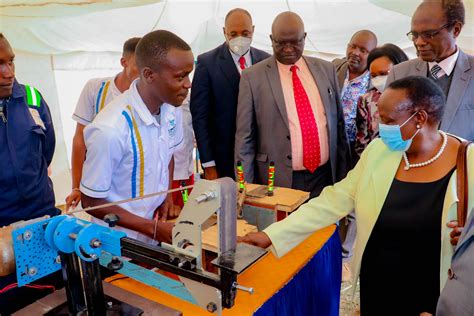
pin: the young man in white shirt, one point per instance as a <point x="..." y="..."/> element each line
<point x="95" y="95"/>
<point x="130" y="144"/>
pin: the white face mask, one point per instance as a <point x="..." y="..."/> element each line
<point x="379" y="82"/>
<point x="240" y="45"/>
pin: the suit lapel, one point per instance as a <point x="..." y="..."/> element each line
<point x="458" y="87"/>
<point x="325" y="92"/>
<point x="341" y="76"/>
<point x="421" y="68"/>
<point x="228" y="67"/>
<point x="254" y="56"/>
<point x="273" y="77"/>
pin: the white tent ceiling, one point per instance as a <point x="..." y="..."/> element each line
<point x="60" y="43"/>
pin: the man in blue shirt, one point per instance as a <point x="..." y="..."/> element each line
<point x="27" y="138"/>
<point x="26" y="150"/>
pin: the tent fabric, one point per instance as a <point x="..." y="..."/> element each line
<point x="57" y="41"/>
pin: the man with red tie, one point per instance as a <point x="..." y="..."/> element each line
<point x="289" y="112"/>
<point x="215" y="90"/>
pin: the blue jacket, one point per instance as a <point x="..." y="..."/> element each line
<point x="26" y="151"/>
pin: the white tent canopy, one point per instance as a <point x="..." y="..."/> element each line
<point x="61" y="44"/>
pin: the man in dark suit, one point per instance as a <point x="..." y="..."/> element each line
<point x="289" y="112"/>
<point x="214" y="94"/>
<point x="435" y="26"/>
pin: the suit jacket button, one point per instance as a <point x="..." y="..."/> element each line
<point x="289" y="157"/>
<point x="451" y="274"/>
<point x="288" y="137"/>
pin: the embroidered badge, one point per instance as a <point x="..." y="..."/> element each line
<point x="172" y="127"/>
<point x="37" y="118"/>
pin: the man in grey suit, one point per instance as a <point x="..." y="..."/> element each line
<point x="457" y="297"/>
<point x="289" y="112"/>
<point x="435" y="27"/>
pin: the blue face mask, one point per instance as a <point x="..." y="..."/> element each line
<point x="391" y="135"/>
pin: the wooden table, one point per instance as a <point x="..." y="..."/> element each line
<point x="263" y="211"/>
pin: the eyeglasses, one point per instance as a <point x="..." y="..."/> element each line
<point x="282" y="44"/>
<point x="426" y="35"/>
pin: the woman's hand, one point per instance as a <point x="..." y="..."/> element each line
<point x="455" y="233"/>
<point x="259" y="239"/>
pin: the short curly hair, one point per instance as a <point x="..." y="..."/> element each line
<point x="423" y="94"/>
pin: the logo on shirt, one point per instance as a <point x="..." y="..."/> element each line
<point x="172" y="127"/>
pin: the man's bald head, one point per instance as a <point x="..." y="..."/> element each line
<point x="288" y="37"/>
<point x="287" y="20"/>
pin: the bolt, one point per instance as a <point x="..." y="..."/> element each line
<point x="109" y="304"/>
<point x="73" y="236"/>
<point x="58" y="259"/>
<point x="94" y="256"/>
<point x="32" y="271"/>
<point x="208" y="195"/>
<point x="95" y="243"/>
<point x="211" y="307"/>
<point x="27" y="235"/>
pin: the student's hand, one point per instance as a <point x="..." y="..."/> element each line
<point x="455" y="233"/>
<point x="167" y="209"/>
<point x="259" y="239"/>
<point x="426" y="314"/>
<point x="163" y="232"/>
<point x="73" y="199"/>
<point x="210" y="173"/>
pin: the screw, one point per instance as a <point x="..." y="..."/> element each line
<point x="73" y="236"/>
<point x="27" y="235"/>
<point x="93" y="256"/>
<point x="110" y="304"/>
<point x="211" y="307"/>
<point x="32" y="271"/>
<point x="95" y="243"/>
<point x="58" y="259"/>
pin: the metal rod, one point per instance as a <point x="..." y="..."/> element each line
<point x="128" y="200"/>
<point x="72" y="282"/>
<point x="163" y="259"/>
<point x="93" y="289"/>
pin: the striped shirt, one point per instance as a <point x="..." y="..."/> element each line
<point x="128" y="153"/>
<point x="95" y="95"/>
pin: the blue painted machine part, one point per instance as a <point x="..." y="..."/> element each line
<point x="50" y="228"/>
<point x="34" y="257"/>
<point x="106" y="239"/>
<point x="66" y="232"/>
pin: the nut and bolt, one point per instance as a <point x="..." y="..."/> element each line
<point x="27" y="235"/>
<point x="32" y="271"/>
<point x="96" y="243"/>
<point x="211" y="307"/>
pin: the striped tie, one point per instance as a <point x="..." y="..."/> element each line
<point x="434" y="71"/>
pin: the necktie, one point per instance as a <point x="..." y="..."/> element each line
<point x="435" y="70"/>
<point x="309" y="128"/>
<point x="242" y="62"/>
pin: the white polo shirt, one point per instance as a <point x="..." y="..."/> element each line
<point x="183" y="158"/>
<point x="95" y="95"/>
<point x="128" y="153"/>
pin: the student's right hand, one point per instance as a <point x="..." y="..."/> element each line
<point x="259" y="239"/>
<point x="210" y="173"/>
<point x="73" y="199"/>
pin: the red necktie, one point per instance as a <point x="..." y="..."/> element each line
<point x="309" y="128"/>
<point x="242" y="62"/>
